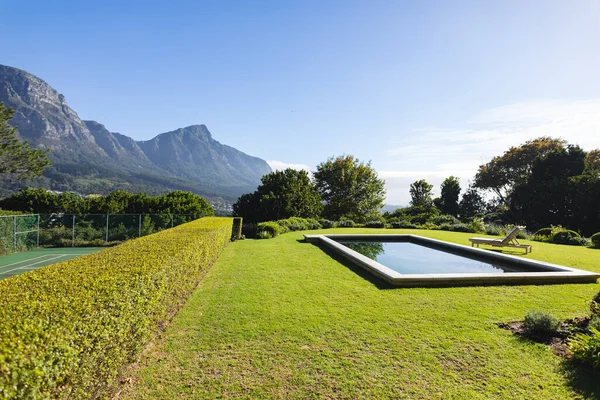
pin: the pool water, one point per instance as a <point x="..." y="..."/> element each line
<point x="410" y="258"/>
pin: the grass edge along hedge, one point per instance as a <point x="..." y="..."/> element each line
<point x="67" y="329"/>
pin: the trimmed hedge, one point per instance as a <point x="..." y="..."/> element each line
<point x="67" y="329"/>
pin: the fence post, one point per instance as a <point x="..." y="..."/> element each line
<point x="107" y="228"/>
<point x="73" y="239"/>
<point x="140" y="225"/>
<point x="15" y="233"/>
<point x="38" y="231"/>
<point x="172" y="220"/>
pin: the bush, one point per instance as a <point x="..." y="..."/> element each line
<point x="403" y="225"/>
<point x="460" y="227"/>
<point x="272" y="227"/>
<point x="586" y="348"/>
<point x="596" y="240"/>
<point x="327" y="224"/>
<point x="544" y="232"/>
<point x="67" y="329"/>
<point x="477" y="225"/>
<point x="375" y="224"/>
<point x="594" y="322"/>
<point x="444" y="219"/>
<point x="567" y="237"/>
<point x="539" y="323"/>
<point x="496" y="230"/>
<point x="346" y="224"/>
<point x="595" y="304"/>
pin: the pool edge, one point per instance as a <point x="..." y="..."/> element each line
<point x="562" y="274"/>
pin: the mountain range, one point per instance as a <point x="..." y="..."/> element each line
<point x="88" y="158"/>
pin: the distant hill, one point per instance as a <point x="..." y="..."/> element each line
<point x="87" y="158"/>
<point x="390" y="208"/>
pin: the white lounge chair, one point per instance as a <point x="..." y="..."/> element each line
<point x="509" y="241"/>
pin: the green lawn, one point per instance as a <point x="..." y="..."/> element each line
<point x="282" y="319"/>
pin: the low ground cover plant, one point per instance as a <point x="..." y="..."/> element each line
<point x="67" y="329"/>
<point x="539" y="323"/>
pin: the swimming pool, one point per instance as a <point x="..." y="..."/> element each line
<point x="411" y="260"/>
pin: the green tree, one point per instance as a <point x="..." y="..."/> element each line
<point x="472" y="204"/>
<point x="449" y="198"/>
<point x="558" y="192"/>
<point x="282" y="194"/>
<point x="17" y="159"/>
<point x="503" y="173"/>
<point x="421" y="195"/>
<point x="349" y="189"/>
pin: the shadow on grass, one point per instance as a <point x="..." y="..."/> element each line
<point x="582" y="378"/>
<point x="378" y="282"/>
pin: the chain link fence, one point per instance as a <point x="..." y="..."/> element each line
<point x="22" y="232"/>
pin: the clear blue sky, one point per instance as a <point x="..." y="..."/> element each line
<point x="424" y="89"/>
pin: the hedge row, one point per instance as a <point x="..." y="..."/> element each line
<point x="67" y="329"/>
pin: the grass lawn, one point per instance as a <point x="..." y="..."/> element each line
<point x="282" y="319"/>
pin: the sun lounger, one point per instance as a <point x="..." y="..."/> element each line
<point x="509" y="241"/>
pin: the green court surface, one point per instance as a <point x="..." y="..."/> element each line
<point x="17" y="263"/>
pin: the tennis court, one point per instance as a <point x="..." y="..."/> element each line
<point x="18" y="263"/>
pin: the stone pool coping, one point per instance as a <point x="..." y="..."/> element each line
<point x="549" y="273"/>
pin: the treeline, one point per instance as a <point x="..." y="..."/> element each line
<point x="544" y="182"/>
<point x="42" y="201"/>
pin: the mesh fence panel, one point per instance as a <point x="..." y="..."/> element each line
<point x="18" y="232"/>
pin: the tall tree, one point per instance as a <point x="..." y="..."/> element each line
<point x="504" y="172"/>
<point x="556" y="192"/>
<point x="350" y="189"/>
<point x="17" y="159"/>
<point x="449" y="198"/>
<point x="472" y="204"/>
<point x="282" y="194"/>
<point x="421" y="195"/>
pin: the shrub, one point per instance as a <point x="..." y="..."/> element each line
<point x="477" y="225"/>
<point x="595" y="304"/>
<point x="460" y="227"/>
<point x="544" y="232"/>
<point x="495" y="230"/>
<point x="430" y="226"/>
<point x="539" y="323"/>
<point x="596" y="240"/>
<point x="444" y="219"/>
<point x="313" y="224"/>
<point x="566" y="237"/>
<point x="67" y="329"/>
<point x="594" y="322"/>
<point x="421" y="219"/>
<point x="272" y="227"/>
<point x="375" y="224"/>
<point x="586" y="348"/>
<point x="403" y="224"/>
<point x="327" y="224"/>
<point x="348" y="223"/>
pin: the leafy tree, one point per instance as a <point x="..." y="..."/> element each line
<point x="421" y="195"/>
<point x="592" y="160"/>
<point x="472" y="204"/>
<point x="349" y="189"/>
<point x="31" y="200"/>
<point x="180" y="202"/>
<point x="556" y="193"/>
<point x="17" y="159"/>
<point x="504" y="172"/>
<point x="449" y="198"/>
<point x="282" y="194"/>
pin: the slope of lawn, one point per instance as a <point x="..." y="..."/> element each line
<point x="283" y="319"/>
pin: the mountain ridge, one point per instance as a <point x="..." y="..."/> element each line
<point x="87" y="157"/>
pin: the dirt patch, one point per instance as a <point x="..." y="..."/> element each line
<point x="557" y="341"/>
